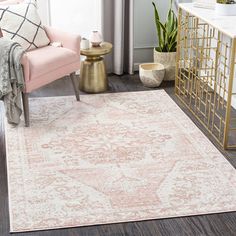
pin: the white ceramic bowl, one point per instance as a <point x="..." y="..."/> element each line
<point x="225" y="9"/>
<point x="151" y="74"/>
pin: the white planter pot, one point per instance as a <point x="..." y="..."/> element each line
<point x="151" y="74"/>
<point x="225" y="9"/>
<point x="168" y="59"/>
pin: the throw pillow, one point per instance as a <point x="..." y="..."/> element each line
<point x="22" y="24"/>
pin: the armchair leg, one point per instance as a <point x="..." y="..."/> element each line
<point x="25" y="99"/>
<point x="75" y="85"/>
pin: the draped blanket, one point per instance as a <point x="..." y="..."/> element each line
<point x="11" y="78"/>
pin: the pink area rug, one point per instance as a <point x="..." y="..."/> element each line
<point x="112" y="158"/>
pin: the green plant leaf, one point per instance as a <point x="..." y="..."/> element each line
<point x="157" y="20"/>
<point x="170" y="19"/>
<point x="173" y="47"/>
<point x="158" y="49"/>
<point x="173" y="35"/>
<point x="167" y="31"/>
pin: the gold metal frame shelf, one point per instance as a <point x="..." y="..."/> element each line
<point x="205" y="75"/>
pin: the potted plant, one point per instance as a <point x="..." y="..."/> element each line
<point x="226" y="7"/>
<point x="165" y="52"/>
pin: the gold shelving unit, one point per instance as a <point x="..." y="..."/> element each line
<point x="205" y="76"/>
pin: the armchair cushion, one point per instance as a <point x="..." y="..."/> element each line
<point x="21" y="23"/>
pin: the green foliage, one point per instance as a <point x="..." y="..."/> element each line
<point x="226" y="1"/>
<point x="166" y="32"/>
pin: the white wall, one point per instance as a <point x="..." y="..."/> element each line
<point x="145" y="37"/>
<point x="83" y="16"/>
<point x="43" y="10"/>
<point x="76" y="16"/>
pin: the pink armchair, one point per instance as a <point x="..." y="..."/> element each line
<point x="44" y="65"/>
<point x="47" y="64"/>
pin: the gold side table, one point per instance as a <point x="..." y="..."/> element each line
<point x="93" y="76"/>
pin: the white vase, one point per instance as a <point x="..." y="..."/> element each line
<point x="225" y="9"/>
<point x="96" y="39"/>
<point x="151" y="74"/>
<point x="168" y="59"/>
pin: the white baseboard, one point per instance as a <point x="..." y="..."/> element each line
<point x="136" y="66"/>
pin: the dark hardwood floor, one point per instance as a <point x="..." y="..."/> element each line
<point x="215" y="225"/>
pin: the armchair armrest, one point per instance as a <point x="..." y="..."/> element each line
<point x="25" y="64"/>
<point x="68" y="40"/>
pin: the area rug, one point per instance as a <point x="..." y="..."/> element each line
<point x="112" y="158"/>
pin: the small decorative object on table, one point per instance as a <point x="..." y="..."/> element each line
<point x="85" y="44"/>
<point x="151" y="74"/>
<point x="96" y="39"/>
<point x="167" y="32"/>
<point x="93" y="78"/>
<point x="226" y="7"/>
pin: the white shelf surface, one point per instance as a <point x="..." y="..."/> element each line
<point x="225" y="24"/>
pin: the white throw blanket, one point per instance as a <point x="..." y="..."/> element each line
<point x="11" y="78"/>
